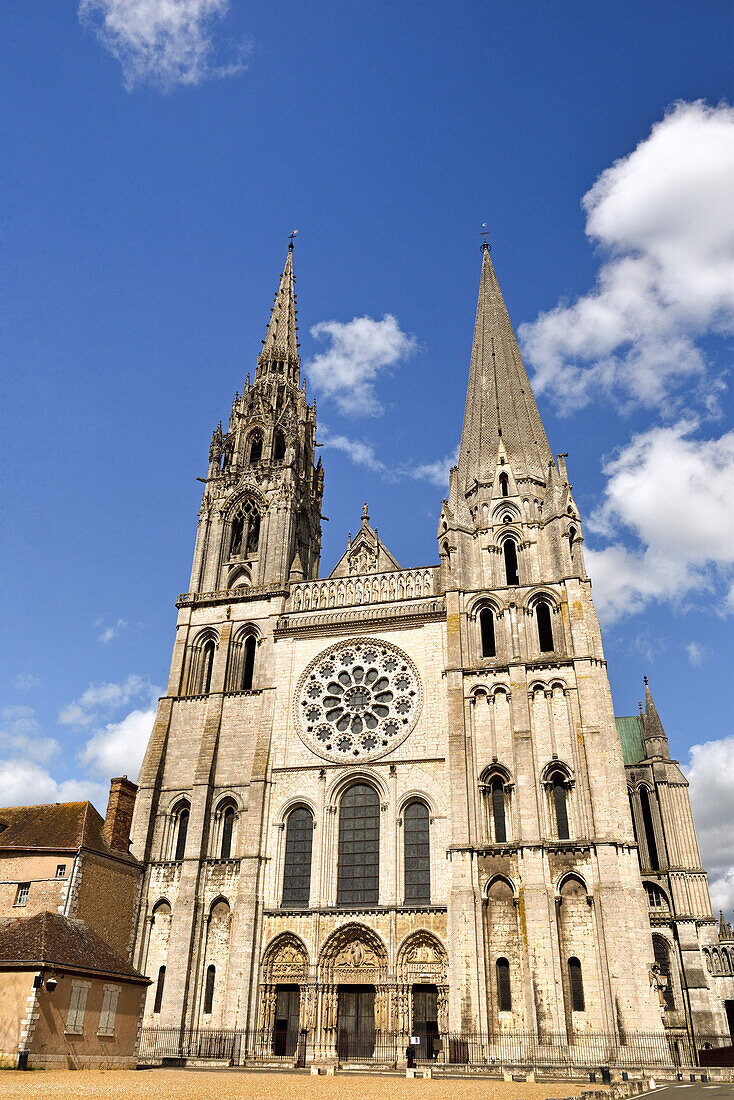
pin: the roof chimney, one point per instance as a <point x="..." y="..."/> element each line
<point x="119" y="816"/>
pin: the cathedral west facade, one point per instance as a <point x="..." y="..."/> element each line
<point x="393" y="800"/>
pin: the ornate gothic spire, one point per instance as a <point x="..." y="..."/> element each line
<point x="500" y="407"/>
<point x="280" y="346"/>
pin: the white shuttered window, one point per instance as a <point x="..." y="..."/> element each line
<point x="77" y="1005"/>
<point x="109" y="1010"/>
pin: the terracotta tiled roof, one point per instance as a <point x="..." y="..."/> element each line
<point x="50" y="940"/>
<point x="56" y="825"/>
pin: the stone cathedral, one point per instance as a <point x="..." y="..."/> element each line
<point x="394" y="800"/>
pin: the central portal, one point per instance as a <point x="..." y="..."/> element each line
<point x="355" y="1022"/>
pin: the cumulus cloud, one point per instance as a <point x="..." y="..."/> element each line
<point x="119" y="748"/>
<point x="672" y="492"/>
<point x="99" y="699"/>
<point x="697" y="653"/>
<point x="164" y="42"/>
<point x="26" y="783"/>
<point x="710" y="772"/>
<point x="107" y="633"/>
<point x="360" y="350"/>
<point x="20" y="734"/>
<point x="664" y="222"/>
<point x="362" y="453"/>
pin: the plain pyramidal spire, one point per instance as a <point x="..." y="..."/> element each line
<point x="501" y="415"/>
<point x="280" y="346"/>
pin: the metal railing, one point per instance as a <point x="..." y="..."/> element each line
<point x="527" y="1050"/>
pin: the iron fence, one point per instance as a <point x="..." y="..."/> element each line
<point x="524" y="1050"/>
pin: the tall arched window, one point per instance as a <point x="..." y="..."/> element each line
<point x="358" y="873"/>
<point x="209" y="990"/>
<point x="207" y="665"/>
<point x="486" y="627"/>
<point x="256" y="447"/>
<point x="576" y="984"/>
<point x="238" y="529"/>
<point x="227" y="830"/>
<point x="560" y="807"/>
<point x="248" y="667"/>
<point x="497" y="793"/>
<point x="545" y="630"/>
<point x="253" y="533"/>
<point x="159" y="989"/>
<point x="662" y="958"/>
<point x="297" y="863"/>
<point x="279" y="447"/>
<point x="509" y="548"/>
<point x="652" y="848"/>
<point x="571" y="541"/>
<point x="504" y="993"/>
<point x="504" y="484"/>
<point x="182" y="828"/>
<point x="417" y="843"/>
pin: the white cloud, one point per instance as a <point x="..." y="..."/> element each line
<point x="103" y="698"/>
<point x="26" y="681"/>
<point x="25" y="783"/>
<point x="673" y="493"/>
<point x="107" y="633"/>
<point x="436" y="472"/>
<point x="163" y="42"/>
<point x="360" y="350"/>
<point x="20" y="734"/>
<point x="697" y="653"/>
<point x="119" y="748"/>
<point x="664" y="217"/>
<point x="360" y="453"/>
<point x="710" y="772"/>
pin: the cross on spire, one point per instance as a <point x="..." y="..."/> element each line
<point x="485" y="247"/>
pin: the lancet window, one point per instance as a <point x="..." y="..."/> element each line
<point x="576" y="984"/>
<point x="297" y="861"/>
<point x="504" y="992"/>
<point x="417" y="854"/>
<point x="255" y="448"/>
<point x="557" y="785"/>
<point x="545" y="629"/>
<point x="244" y="534"/>
<point x="358" y="873"/>
<point x="509" y="549"/>
<point x="279" y="447"/>
<point x="486" y="632"/>
<point x="241" y="669"/>
<point x="181" y="828"/>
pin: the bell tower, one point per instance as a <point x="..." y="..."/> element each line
<point x="260" y="518"/>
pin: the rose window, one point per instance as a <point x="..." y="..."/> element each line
<point x="358" y="700"/>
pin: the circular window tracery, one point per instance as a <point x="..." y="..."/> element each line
<point x="358" y="700"/>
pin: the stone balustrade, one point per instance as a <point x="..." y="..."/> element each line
<point x="402" y="584"/>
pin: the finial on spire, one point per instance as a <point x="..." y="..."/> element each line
<point x="365" y="514"/>
<point x="645" y="679"/>
<point x="293" y="234"/>
<point x="485" y="247"/>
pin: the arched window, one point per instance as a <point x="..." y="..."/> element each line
<point x="576" y="984"/>
<point x="634" y="823"/>
<point x="159" y="989"/>
<point x="656" y="898"/>
<point x="256" y="448"/>
<point x="417" y="859"/>
<point x="279" y="447"/>
<point x="253" y="534"/>
<point x="652" y="848"/>
<point x="358" y="873"/>
<point x="207" y="665"/>
<point x="504" y="485"/>
<point x="238" y="529"/>
<point x="182" y="828"/>
<point x="297" y="863"/>
<point x="248" y="666"/>
<point x="227" y="830"/>
<point x="571" y="541"/>
<point x="504" y="994"/>
<point x="209" y="990"/>
<point x="497" y="794"/>
<point x="560" y="808"/>
<point x="486" y="627"/>
<point x="509" y="549"/>
<point x="662" y="959"/>
<point x="545" y="630"/>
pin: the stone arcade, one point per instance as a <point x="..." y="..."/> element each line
<point x="393" y="801"/>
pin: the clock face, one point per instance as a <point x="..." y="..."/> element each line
<point x="358" y="700"/>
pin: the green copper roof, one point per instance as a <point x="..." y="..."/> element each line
<point x="630" y="734"/>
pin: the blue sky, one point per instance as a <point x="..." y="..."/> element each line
<point x="151" y="174"/>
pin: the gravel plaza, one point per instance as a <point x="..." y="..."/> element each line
<point x="238" y="1085"/>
